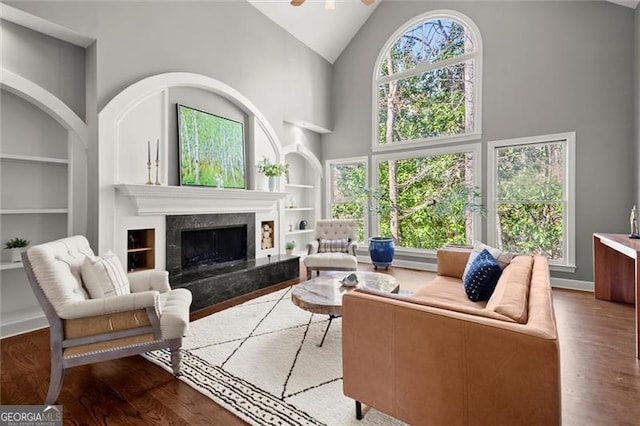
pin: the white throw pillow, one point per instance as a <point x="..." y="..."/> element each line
<point x="104" y="276"/>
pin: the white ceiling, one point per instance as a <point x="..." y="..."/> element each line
<point x="328" y="32"/>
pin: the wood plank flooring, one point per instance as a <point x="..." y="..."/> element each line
<point x="600" y="374"/>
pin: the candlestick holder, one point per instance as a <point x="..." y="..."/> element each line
<point x="157" y="182"/>
<point x="149" y="174"/>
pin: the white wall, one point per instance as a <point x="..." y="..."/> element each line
<point x="549" y="67"/>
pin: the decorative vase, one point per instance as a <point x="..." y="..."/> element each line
<point x="381" y="251"/>
<point x="273" y="183"/>
<point x="288" y="251"/>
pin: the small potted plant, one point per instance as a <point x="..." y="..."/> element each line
<point x="272" y="171"/>
<point x="16" y="246"/>
<point x="289" y="246"/>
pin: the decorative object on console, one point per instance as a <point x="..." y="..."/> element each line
<point x="210" y="145"/>
<point x="633" y="219"/>
<point x="16" y="246"/>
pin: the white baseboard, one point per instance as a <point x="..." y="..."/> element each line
<point x="23" y="325"/>
<point x="572" y="284"/>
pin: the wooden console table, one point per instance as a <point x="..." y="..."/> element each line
<point x="616" y="271"/>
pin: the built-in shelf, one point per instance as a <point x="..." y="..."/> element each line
<point x="141" y="249"/>
<point x="300" y="231"/>
<point x="33" y="158"/>
<point x="297" y="185"/>
<point x="10" y="265"/>
<point x="298" y="209"/>
<point x="34" y="211"/>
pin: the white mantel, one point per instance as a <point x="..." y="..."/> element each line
<point x="174" y="200"/>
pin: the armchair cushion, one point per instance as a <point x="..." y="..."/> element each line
<point x="151" y="279"/>
<point x="332" y="246"/>
<point x="104" y="276"/>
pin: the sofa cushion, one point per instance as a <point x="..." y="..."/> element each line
<point x="482" y="276"/>
<point x="104" y="276"/>
<point x="333" y="246"/>
<point x="511" y="295"/>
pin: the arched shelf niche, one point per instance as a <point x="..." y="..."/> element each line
<point x="78" y="134"/>
<point x="140" y="113"/>
<point x="304" y="195"/>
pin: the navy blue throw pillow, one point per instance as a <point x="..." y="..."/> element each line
<point x="482" y="277"/>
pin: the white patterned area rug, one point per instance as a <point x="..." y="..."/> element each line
<point x="260" y="360"/>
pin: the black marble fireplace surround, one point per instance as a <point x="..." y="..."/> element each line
<point x="215" y="282"/>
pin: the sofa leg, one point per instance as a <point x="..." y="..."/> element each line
<point x="359" y="415"/>
<point x="308" y="274"/>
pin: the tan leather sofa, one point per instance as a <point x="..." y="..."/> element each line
<point x="437" y="358"/>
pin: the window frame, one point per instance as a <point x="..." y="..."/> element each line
<point x="569" y="191"/>
<point x="474" y="148"/>
<point x="425" y="67"/>
<point x="329" y="186"/>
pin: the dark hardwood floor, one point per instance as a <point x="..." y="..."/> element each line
<point x="600" y="374"/>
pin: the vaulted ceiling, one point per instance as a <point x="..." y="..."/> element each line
<point x="328" y="32"/>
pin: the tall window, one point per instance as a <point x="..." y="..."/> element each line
<point x="429" y="198"/>
<point x="427" y="82"/>
<point x="531" y="196"/>
<point x="347" y="179"/>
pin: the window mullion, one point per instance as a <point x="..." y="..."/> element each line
<point x="424" y="67"/>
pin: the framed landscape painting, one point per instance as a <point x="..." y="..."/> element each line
<point x="211" y="149"/>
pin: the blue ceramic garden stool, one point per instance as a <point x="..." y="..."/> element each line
<point x="381" y="251"/>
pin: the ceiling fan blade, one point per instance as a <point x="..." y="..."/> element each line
<point x="296" y="2"/>
<point x="367" y="2"/>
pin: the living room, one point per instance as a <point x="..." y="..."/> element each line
<point x="547" y="68"/>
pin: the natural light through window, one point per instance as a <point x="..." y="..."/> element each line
<point x="427" y="82"/>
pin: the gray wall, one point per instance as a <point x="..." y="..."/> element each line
<point x="549" y="67"/>
<point x="229" y="41"/>
<point x="55" y="65"/>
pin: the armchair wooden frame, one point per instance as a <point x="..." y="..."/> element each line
<point x="88" y="340"/>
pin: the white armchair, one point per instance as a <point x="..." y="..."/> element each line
<point x="334" y="247"/>
<point x="83" y="330"/>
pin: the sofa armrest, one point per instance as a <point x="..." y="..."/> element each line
<point x="427" y="365"/>
<point x="312" y="247"/>
<point x="149" y="280"/>
<point x="108" y="305"/>
<point x="452" y="261"/>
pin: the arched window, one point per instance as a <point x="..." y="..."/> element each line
<point x="427" y="82"/>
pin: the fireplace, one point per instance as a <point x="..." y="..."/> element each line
<point x="213" y="246"/>
<point x="209" y="241"/>
<point x="214" y="257"/>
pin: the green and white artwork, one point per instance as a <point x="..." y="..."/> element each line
<point x="211" y="149"/>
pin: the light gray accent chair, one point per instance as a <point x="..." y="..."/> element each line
<point x="332" y="229"/>
<point x="85" y="331"/>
